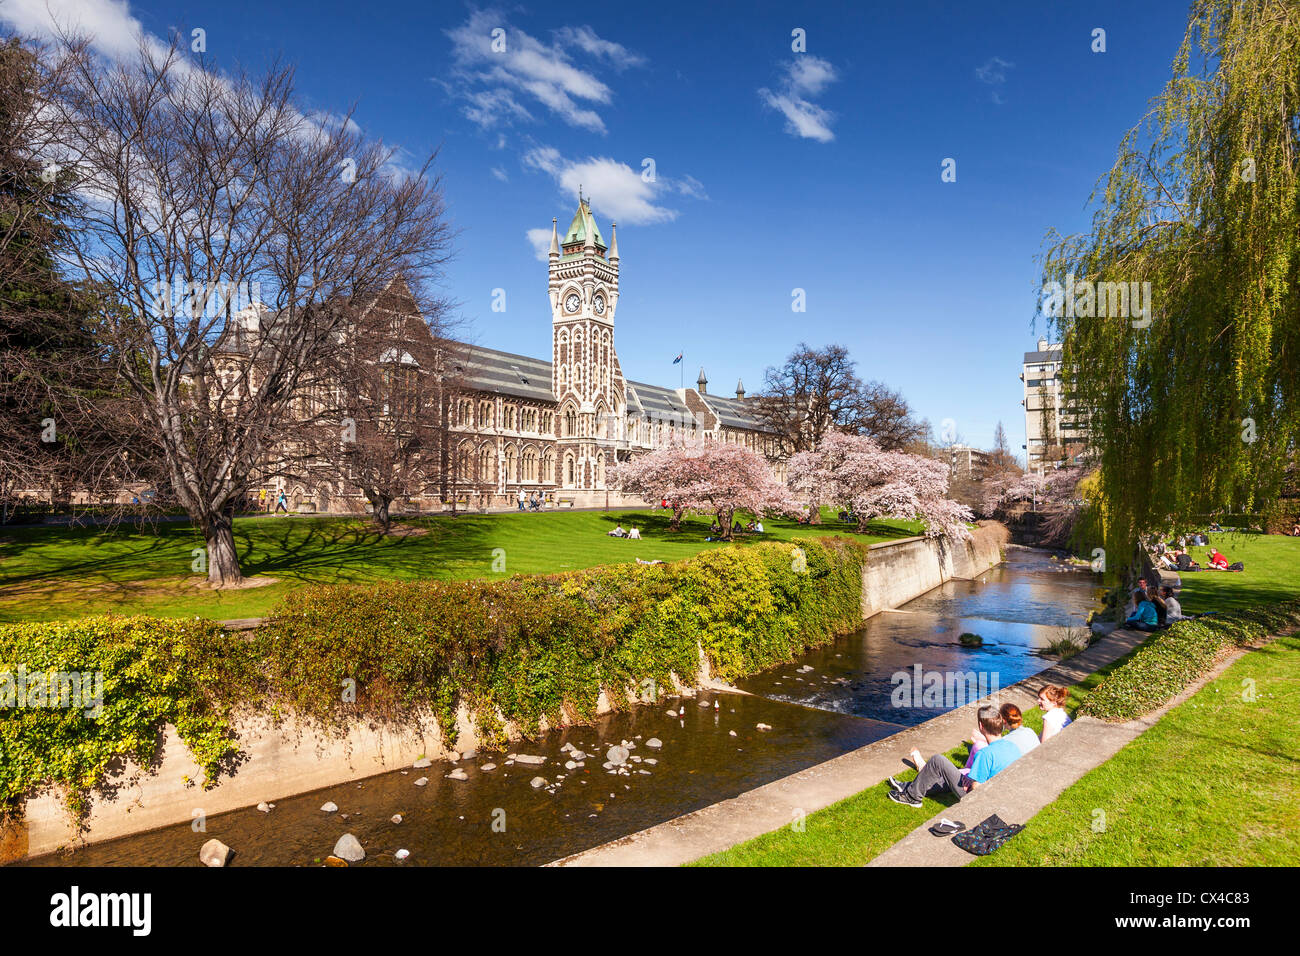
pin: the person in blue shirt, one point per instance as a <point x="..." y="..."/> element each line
<point x="1145" y="617"/>
<point x="940" y="773"/>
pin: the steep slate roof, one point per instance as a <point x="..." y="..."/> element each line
<point x="1032" y="358"/>
<point x="495" y="371"/>
<point x="733" y="413"/>
<point x="656" y="403"/>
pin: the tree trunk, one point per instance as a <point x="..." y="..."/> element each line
<point x="223" y="560"/>
<point x="382" y="517"/>
<point x="676" y="524"/>
<point x="814" y="513"/>
<point x="724" y="520"/>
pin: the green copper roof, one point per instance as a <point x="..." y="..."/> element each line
<point x="582" y="221"/>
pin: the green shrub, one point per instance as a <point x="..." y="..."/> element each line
<point x="533" y="647"/>
<point x="154" y="672"/>
<point x="1165" y="665"/>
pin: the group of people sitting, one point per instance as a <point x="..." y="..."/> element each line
<point x="999" y="739"/>
<point x="754" y="527"/>
<point x="619" y="531"/>
<point x="1178" y="560"/>
<point x="1150" y="610"/>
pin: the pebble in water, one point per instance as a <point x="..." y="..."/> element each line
<point x="395" y="818"/>
<point x="422" y="781"/>
<point x="349" y="848"/>
<point x="330" y="807"/>
<point x="402" y="854"/>
<point x="654" y="743"/>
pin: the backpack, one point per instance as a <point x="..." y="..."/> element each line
<point x="987" y="836"/>
<point x="1236" y="566"/>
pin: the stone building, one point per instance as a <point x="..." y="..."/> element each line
<point x="556" y="425"/>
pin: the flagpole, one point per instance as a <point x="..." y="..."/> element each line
<point x="681" y="372"/>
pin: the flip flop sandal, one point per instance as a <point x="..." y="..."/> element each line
<point x="946" y="827"/>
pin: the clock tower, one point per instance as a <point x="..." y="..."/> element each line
<point x="585" y="375"/>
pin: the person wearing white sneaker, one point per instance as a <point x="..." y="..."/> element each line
<point x="940" y="773"/>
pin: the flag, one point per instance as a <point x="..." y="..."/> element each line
<point x="679" y="357"/>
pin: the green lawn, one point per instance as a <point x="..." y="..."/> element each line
<point x="50" y="573"/>
<point x="1272" y="574"/>
<point x="1213" y="783"/>
<point x="855" y="830"/>
<point x="861" y="827"/>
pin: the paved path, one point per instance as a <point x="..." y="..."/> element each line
<point x="774" y="805"/>
<point x="1032" y="782"/>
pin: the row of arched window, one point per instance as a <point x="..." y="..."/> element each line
<point x="530" y="464"/>
<point x="513" y="418"/>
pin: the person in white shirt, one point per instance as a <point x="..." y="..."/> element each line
<point x="758" y="526"/>
<point x="1020" y="735"/>
<point x="1173" y="610"/>
<point x="1051" y="699"/>
<point x="635" y="534"/>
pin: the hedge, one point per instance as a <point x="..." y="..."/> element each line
<point x="524" y="649"/>
<point x="534" y="647"/>
<point x="154" y="672"/>
<point x="1168" y="662"/>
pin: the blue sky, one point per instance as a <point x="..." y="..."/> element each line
<point x="773" y="170"/>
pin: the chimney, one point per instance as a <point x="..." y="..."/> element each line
<point x="740" y="389"/>
<point x="702" y="383"/>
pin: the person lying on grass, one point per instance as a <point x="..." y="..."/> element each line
<point x="940" y="773"/>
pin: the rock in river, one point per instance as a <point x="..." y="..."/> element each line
<point x="330" y="807"/>
<point x="349" y="848"/>
<point x="215" y="853"/>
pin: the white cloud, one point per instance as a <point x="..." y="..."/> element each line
<point x="500" y="174"/>
<point x="994" y="73"/>
<point x="614" y="188"/>
<point x="540" y="240"/>
<point x="108" y="23"/>
<point x="499" y="86"/>
<point x="804" y="76"/>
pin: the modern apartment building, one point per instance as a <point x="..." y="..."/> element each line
<point x="1054" y="431"/>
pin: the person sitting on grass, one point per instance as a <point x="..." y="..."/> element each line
<point x="1051" y="700"/>
<point x="1184" y="562"/>
<point x="618" y="532"/>
<point x="940" y="773"/>
<point x="1217" y="560"/>
<point x="1144" y="616"/>
<point x="1131" y="608"/>
<point x="1017" y="732"/>
<point x="1173" y="610"/>
<point x="634" y="534"/>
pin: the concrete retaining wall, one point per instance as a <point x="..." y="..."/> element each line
<point x="283" y="760"/>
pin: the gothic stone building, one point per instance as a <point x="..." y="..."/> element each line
<point x="556" y="426"/>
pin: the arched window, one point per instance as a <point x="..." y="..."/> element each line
<point x="530" y="464"/>
<point x="548" y="466"/>
<point x="511" y="464"/>
<point x="570" y="423"/>
<point x="486" y="460"/>
<point x="464" y="463"/>
<point x="568" y="471"/>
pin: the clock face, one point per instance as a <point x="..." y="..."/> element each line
<point x="599" y="305"/>
<point x="572" y="302"/>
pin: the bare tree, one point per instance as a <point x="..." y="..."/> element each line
<point x="818" y="389"/>
<point x="394" y="382"/>
<point x="233" y="237"/>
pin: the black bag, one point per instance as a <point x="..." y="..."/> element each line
<point x="987" y="836"/>
<point x="1236" y="566"/>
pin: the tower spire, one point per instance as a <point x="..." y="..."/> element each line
<point x="613" y="241"/>
<point x="555" y="237"/>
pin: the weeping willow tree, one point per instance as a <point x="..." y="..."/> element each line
<point x="1179" y="311"/>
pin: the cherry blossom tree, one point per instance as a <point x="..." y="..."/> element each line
<point x="852" y="471"/>
<point x="705" y="478"/>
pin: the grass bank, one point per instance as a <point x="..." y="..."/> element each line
<point x="54" y="573"/>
